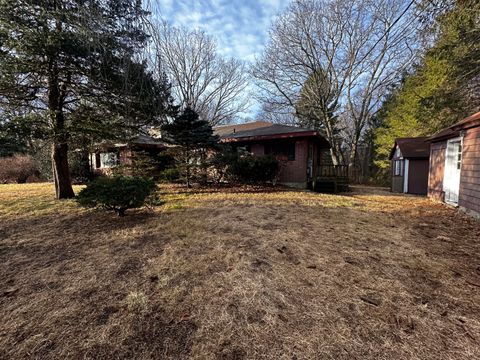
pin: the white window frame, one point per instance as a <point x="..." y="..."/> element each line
<point x="398" y="153"/>
<point x="398" y="167"/>
<point x="446" y="180"/>
<point x="111" y="163"/>
<point x="405" y="175"/>
<point x="92" y="161"/>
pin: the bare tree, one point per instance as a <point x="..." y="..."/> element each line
<point x="211" y="85"/>
<point x="331" y="59"/>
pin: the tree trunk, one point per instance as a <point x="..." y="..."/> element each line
<point x="86" y="169"/>
<point x="352" y="171"/>
<point x="203" y="161"/>
<point x="187" y="169"/>
<point x="187" y="172"/>
<point x="188" y="177"/>
<point x="335" y="151"/>
<point x="61" y="171"/>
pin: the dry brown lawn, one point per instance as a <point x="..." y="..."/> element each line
<point x="239" y="274"/>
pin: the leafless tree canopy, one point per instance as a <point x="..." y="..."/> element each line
<point x="359" y="48"/>
<point x="213" y="86"/>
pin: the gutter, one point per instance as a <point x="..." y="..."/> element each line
<point x="270" y="137"/>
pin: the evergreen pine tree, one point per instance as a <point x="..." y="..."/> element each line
<point x="192" y="137"/>
<point x="72" y="62"/>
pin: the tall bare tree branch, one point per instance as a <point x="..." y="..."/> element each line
<point x="329" y="62"/>
<point x="211" y="85"/>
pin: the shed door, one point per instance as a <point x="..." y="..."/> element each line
<point x="453" y="165"/>
<point x="418" y="178"/>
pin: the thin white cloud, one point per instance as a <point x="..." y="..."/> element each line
<point x="239" y="27"/>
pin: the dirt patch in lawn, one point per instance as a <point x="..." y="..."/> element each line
<point x="239" y="273"/>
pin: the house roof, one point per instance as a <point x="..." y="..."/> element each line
<point x="225" y="130"/>
<point x="145" y="139"/>
<point x="454" y="130"/>
<point x="261" y="130"/>
<point x="142" y="140"/>
<point x="413" y="148"/>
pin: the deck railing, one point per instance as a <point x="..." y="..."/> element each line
<point x="332" y="171"/>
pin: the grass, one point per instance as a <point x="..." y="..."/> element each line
<point x="239" y="273"/>
<point x="32" y="200"/>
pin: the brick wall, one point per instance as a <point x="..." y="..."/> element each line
<point x="296" y="171"/>
<point x="257" y="149"/>
<point x="125" y="156"/>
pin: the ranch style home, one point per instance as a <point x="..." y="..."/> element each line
<point x="454" y="174"/>
<point x="304" y="154"/>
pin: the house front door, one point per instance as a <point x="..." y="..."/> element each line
<point x="453" y="165"/>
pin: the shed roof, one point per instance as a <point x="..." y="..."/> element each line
<point x="471" y="121"/>
<point x="454" y="130"/>
<point x="413" y="148"/>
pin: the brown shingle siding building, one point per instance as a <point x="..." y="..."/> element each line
<point x="454" y="175"/>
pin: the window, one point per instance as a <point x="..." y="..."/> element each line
<point x="286" y="149"/>
<point x="398" y="167"/>
<point x="459" y="157"/>
<point x="291" y="151"/>
<point x="108" y="160"/>
<point x="244" y="149"/>
<point x="398" y="153"/>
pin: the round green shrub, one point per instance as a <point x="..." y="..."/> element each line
<point x="170" y="175"/>
<point x="251" y="168"/>
<point x="118" y="193"/>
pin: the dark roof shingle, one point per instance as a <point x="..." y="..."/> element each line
<point x="414" y="148"/>
<point x="454" y="130"/>
<point x="257" y="128"/>
<point x="224" y="130"/>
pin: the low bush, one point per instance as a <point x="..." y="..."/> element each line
<point x="118" y="193"/>
<point x="170" y="175"/>
<point x="250" y="168"/>
<point x="18" y="169"/>
<point x="221" y="161"/>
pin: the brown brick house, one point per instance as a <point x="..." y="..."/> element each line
<point x="303" y="153"/>
<point x="454" y="174"/>
<point x="106" y="156"/>
<point x="409" y="165"/>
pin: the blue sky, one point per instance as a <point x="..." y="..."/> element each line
<point x="240" y="27"/>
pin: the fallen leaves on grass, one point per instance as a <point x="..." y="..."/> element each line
<point x="247" y="273"/>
